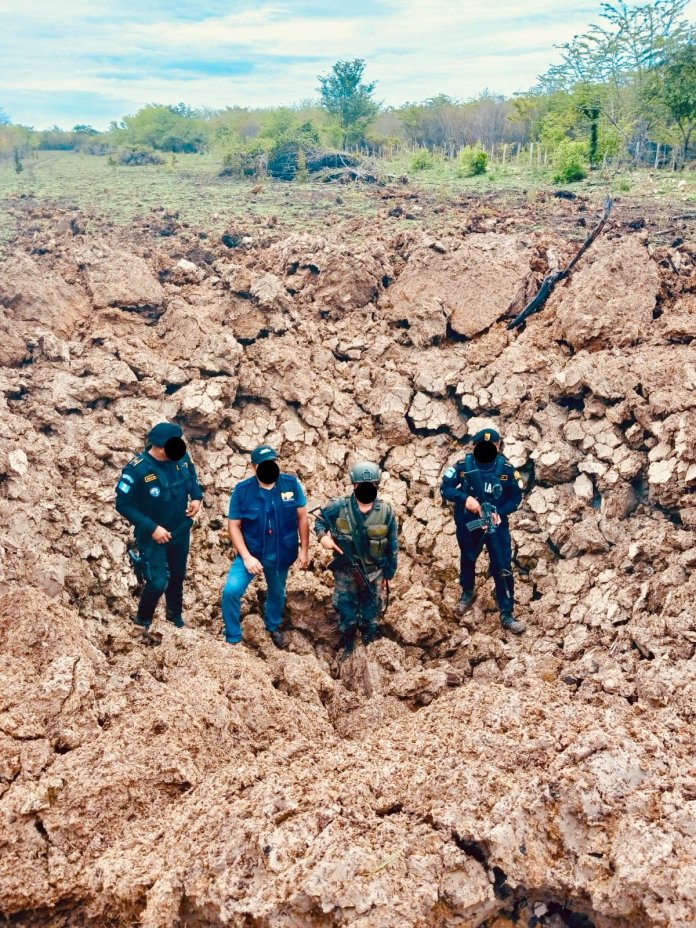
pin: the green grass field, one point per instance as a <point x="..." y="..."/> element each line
<point x="190" y="185"/>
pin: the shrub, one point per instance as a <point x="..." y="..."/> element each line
<point x="472" y="162"/>
<point x="570" y="160"/>
<point x="422" y="160"/>
<point x="246" y="159"/>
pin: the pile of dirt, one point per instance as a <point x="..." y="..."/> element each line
<point x="446" y="775"/>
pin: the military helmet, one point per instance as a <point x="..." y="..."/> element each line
<point x="364" y="472"/>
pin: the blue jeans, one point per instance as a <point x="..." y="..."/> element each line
<point x="238" y="579"/>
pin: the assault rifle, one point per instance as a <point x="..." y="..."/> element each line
<point x="486" y="522"/>
<point x="350" y="559"/>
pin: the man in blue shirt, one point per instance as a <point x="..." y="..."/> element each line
<point x="268" y="525"/>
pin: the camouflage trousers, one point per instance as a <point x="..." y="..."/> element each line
<point x="356" y="608"/>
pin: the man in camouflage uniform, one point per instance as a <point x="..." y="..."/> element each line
<point x="362" y="530"/>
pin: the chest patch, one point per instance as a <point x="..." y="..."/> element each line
<point x="287" y="495"/>
<point x="154" y="491"/>
<point x="150" y="477"/>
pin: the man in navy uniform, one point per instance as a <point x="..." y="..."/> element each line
<point x="269" y="528"/>
<point x="485" y="476"/>
<point x="158" y="492"/>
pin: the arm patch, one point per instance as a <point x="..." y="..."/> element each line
<point x="450" y="472"/>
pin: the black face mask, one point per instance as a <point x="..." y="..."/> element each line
<point x="485" y="452"/>
<point x="175" y="448"/>
<point x="365" y="492"/>
<point x="268" y="471"/>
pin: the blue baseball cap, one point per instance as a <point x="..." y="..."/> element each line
<point x="263" y="453"/>
<point x="160" y="434"/>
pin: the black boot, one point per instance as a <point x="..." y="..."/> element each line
<point x="141" y="623"/>
<point x="176" y="620"/>
<point x="465" y="600"/>
<point x="369" y="634"/>
<point x="511" y="624"/>
<point x="347" y="643"/>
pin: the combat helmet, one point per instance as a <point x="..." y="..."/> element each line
<point x="364" y="472"/>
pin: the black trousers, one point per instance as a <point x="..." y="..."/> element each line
<point x="499" y="545"/>
<point x="165" y="572"/>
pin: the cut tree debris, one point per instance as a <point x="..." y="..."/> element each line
<point x="549" y="282"/>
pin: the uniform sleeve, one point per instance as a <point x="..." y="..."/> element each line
<point x="127" y="497"/>
<point x="453" y="487"/>
<point x="512" y="496"/>
<point x="300" y="495"/>
<point x="392" y="548"/>
<point x="195" y="491"/>
<point x="234" y="511"/>
<point x="322" y="526"/>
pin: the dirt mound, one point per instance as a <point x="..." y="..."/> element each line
<point x="444" y="775"/>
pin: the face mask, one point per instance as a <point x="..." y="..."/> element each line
<point x="268" y="471"/>
<point x="485" y="452"/>
<point x="175" y="448"/>
<point x="365" y="492"/>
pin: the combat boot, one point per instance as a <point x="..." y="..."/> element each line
<point x="141" y="623"/>
<point x="465" y="600"/>
<point x="369" y="634"/>
<point x="347" y="643"/>
<point x="511" y="624"/>
<point x="176" y="620"/>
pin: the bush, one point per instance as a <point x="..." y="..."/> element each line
<point x="246" y="159"/>
<point x="422" y="160"/>
<point x="472" y="162"/>
<point x="570" y="162"/>
<point x="135" y="157"/>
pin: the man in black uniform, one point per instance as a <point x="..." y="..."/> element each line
<point x="485" y="477"/>
<point x="158" y="492"/>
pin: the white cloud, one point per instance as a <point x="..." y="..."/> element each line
<point x="69" y="47"/>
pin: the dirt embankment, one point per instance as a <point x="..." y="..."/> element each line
<point x="444" y="776"/>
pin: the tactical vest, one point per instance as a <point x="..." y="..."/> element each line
<point x="370" y="532"/>
<point x="164" y="490"/>
<point x="487" y="485"/>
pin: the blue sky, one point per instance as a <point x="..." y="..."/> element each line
<point x="68" y="61"/>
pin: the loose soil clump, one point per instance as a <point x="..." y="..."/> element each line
<point x="447" y="774"/>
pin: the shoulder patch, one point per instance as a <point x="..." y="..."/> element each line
<point x="123" y="487"/>
<point x="135" y="461"/>
<point x="450" y="472"/>
<point x="127" y="477"/>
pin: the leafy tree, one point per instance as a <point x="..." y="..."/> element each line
<point x="81" y="129"/>
<point x="679" y="92"/>
<point x="348" y="99"/>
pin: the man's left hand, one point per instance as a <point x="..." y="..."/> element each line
<point x="495" y="518"/>
<point x="303" y="560"/>
<point x="193" y="508"/>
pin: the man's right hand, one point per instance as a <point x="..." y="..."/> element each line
<point x="161" y="535"/>
<point x="328" y="543"/>
<point x="473" y="505"/>
<point x="253" y="565"/>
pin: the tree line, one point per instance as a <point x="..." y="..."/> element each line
<point x="625" y="89"/>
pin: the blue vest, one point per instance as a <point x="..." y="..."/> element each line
<point x="252" y="509"/>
